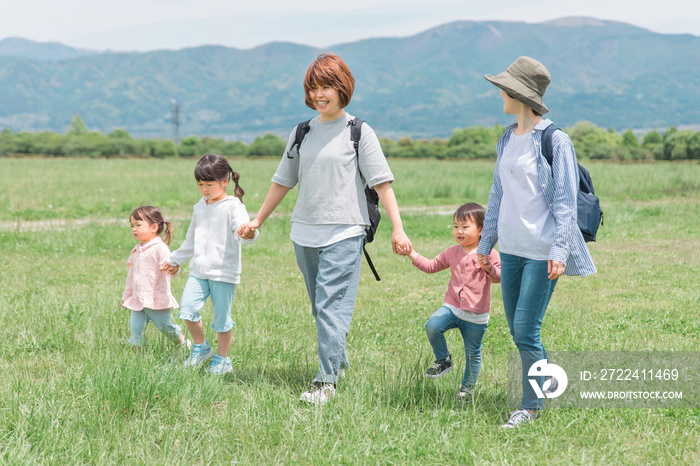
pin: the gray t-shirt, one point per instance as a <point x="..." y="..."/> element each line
<point x="331" y="179"/>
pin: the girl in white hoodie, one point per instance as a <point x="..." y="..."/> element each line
<point x="214" y="247"/>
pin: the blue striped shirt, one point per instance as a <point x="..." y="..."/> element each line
<point x="560" y="186"/>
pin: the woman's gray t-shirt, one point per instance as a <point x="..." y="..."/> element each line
<point x="331" y="187"/>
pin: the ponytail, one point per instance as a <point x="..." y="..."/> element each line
<point x="238" y="191"/>
<point x="167" y="228"/>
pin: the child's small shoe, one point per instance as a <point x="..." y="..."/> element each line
<point x="320" y="394"/>
<point x="439" y="368"/>
<point x="219" y="365"/>
<point x="200" y="353"/>
<point x="465" y="394"/>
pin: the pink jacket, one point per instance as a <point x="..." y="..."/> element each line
<point x="470" y="286"/>
<point x="146" y="285"/>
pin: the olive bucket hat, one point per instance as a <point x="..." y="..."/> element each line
<point x="525" y="80"/>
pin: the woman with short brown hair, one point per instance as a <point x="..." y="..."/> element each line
<point x="330" y="215"/>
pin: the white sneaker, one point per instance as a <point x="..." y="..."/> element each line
<point x="200" y="353"/>
<point x="320" y="394"/>
<point x="220" y="365"/>
<point x="519" y="417"/>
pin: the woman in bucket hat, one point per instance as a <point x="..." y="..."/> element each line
<point x="532" y="215"/>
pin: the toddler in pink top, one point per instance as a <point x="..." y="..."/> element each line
<point x="468" y="298"/>
<point x="147" y="293"/>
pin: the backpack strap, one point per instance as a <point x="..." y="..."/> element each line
<point x="355" y="136"/>
<point x="302" y="130"/>
<point x="546" y="142"/>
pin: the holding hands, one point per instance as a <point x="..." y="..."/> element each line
<point x="400" y="243"/>
<point x="484" y="262"/>
<point x="247" y="230"/>
<point x="171" y="269"/>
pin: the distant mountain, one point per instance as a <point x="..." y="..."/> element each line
<point x="44" y="51"/>
<point x="611" y="73"/>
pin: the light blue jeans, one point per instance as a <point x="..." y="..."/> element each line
<point x="194" y="296"/>
<point x="160" y="318"/>
<point x="473" y="334"/>
<point x="331" y="275"/>
<point x="526" y="292"/>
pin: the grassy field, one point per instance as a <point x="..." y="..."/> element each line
<point x="74" y="392"/>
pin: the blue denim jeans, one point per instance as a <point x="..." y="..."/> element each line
<point x="526" y="291"/>
<point x="331" y="275"/>
<point x="444" y="319"/>
<point x="194" y="296"/>
<point x="160" y="318"/>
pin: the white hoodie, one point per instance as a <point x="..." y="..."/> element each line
<point x="212" y="240"/>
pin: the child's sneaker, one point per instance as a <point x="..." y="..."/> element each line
<point x="320" y="394"/>
<point x="219" y="365"/>
<point x="465" y="394"/>
<point x="200" y="353"/>
<point x="439" y="368"/>
<point x="517" y="418"/>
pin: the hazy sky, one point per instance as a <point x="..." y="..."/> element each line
<point x="174" y="24"/>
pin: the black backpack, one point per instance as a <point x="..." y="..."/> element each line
<point x="370" y="194"/>
<point x="588" y="211"/>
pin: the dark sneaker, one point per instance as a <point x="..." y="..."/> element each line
<point x="439" y="368"/>
<point x="465" y="394"/>
<point x="520" y="417"/>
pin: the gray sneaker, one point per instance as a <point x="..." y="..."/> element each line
<point x="465" y="394"/>
<point x="200" y="353"/>
<point x="519" y="417"/>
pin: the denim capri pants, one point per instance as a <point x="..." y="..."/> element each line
<point x="195" y="294"/>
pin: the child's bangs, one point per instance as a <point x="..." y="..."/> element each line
<point x="203" y="173"/>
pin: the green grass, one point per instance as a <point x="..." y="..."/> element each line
<point x="74" y="392"/>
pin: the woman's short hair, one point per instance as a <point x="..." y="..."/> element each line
<point x="329" y="70"/>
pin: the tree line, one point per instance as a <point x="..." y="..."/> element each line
<point x="590" y="141"/>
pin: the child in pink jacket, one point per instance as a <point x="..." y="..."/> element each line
<point x="147" y="293"/>
<point x="468" y="298"/>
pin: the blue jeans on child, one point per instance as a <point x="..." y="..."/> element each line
<point x="473" y="334"/>
<point x="331" y="274"/>
<point x="194" y="296"/>
<point x="160" y="318"/>
<point x="526" y="291"/>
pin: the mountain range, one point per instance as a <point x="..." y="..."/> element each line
<point x="611" y="73"/>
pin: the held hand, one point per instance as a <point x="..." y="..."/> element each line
<point x="484" y="262"/>
<point x="167" y="268"/>
<point x="247" y="230"/>
<point x="555" y="269"/>
<point x="400" y="243"/>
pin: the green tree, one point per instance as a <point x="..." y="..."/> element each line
<point x="161" y="149"/>
<point x="77" y="126"/>
<point x="629" y="139"/>
<point x="694" y="146"/>
<point x="269" y="144"/>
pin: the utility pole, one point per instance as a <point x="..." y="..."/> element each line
<point x="175" y="119"/>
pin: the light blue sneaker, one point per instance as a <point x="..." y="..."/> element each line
<point x="200" y="353"/>
<point x="219" y="365"/>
